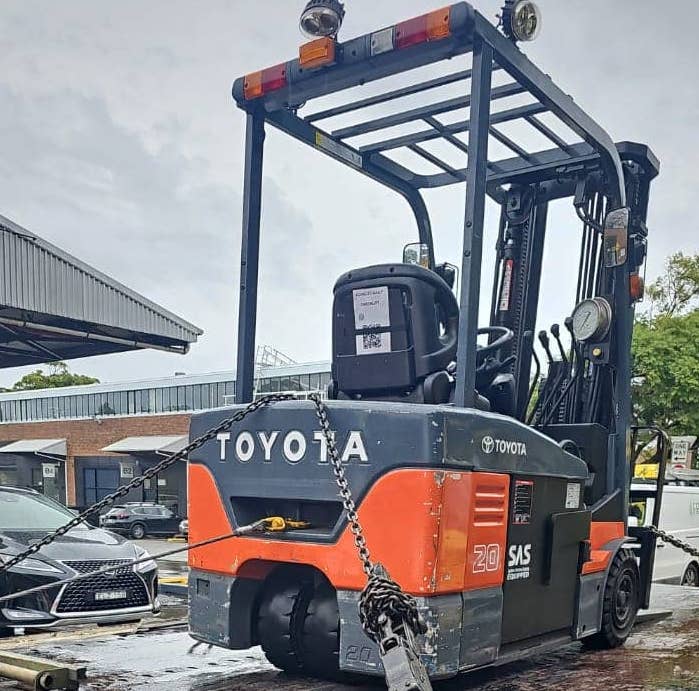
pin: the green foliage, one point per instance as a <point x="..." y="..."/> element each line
<point x="666" y="350"/>
<point x="58" y="376"/>
<point x="677" y="290"/>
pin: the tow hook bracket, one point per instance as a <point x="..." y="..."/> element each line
<point x="402" y="666"/>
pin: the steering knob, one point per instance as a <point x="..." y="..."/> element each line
<point x="556" y="330"/>
<point x="544" y="339"/>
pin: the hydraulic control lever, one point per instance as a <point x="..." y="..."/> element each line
<point x="556" y="332"/>
<point x="544" y="340"/>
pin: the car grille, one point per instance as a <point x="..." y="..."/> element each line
<point x="80" y="596"/>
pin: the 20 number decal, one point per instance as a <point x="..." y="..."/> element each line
<point x="487" y="558"/>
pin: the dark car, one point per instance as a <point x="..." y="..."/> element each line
<point x="125" y="594"/>
<point x="140" y="519"/>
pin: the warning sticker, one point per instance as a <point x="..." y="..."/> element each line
<point x="524" y="498"/>
<point x="338" y="150"/>
<point x="371" y="308"/>
<point x="573" y="495"/>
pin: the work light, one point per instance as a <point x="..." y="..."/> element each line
<point x="322" y="18"/>
<point x="521" y="20"/>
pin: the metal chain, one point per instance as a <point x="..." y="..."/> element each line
<point x="122" y="491"/>
<point x="675" y="542"/>
<point x="382" y="597"/>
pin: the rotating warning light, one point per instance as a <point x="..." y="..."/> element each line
<point x="322" y="18"/>
<point x="521" y="20"/>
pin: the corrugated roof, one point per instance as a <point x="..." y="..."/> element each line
<point x="43" y="286"/>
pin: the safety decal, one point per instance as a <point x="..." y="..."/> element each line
<point x="523" y="500"/>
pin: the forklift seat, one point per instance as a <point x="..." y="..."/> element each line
<point x="395" y="329"/>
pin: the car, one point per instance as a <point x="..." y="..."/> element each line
<point x="140" y="519"/>
<point x="679" y="516"/>
<point x="184" y="527"/>
<point x="126" y="594"/>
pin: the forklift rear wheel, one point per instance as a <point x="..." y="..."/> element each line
<point x="299" y="623"/>
<point x="691" y="576"/>
<point x="620" y="605"/>
<point x="281" y="616"/>
<point x="321" y="634"/>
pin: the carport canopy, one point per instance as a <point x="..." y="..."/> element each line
<point x="55" y="307"/>
<point x="52" y="447"/>
<point x="149" y="444"/>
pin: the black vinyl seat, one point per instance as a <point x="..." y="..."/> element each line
<point x="395" y="329"/>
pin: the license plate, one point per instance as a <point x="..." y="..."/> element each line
<point x="109" y="595"/>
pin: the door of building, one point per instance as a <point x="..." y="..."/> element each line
<point x="99" y="482"/>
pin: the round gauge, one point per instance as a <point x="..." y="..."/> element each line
<point x="592" y="319"/>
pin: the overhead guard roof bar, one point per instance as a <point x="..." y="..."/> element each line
<point x="359" y="66"/>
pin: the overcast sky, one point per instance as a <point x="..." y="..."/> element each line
<point x="120" y="143"/>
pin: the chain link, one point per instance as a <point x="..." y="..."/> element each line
<point x="150" y="473"/>
<point x="382" y="597"/>
<point x="675" y="542"/>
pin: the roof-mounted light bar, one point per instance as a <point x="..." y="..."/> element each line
<point x="325" y="52"/>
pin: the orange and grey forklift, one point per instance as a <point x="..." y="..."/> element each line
<point x="491" y="483"/>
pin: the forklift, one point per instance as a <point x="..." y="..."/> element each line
<point x="489" y="465"/>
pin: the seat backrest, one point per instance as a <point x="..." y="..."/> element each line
<point x="386" y="329"/>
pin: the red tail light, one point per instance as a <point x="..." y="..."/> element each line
<point x="428" y="27"/>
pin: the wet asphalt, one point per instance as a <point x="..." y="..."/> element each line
<point x="661" y="656"/>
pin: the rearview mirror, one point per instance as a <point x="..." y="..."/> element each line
<point x="447" y="272"/>
<point x="417" y="253"/>
<point x="616" y="238"/>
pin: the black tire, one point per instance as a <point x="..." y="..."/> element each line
<point x="281" y="615"/>
<point x="691" y="576"/>
<point x="138" y="531"/>
<point x="620" y="605"/>
<point x="6" y="632"/>
<point x="320" y="642"/>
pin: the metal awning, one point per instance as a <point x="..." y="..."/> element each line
<point x="55" y="307"/>
<point x="151" y="444"/>
<point x="53" y="447"/>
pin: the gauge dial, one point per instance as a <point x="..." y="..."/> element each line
<point x="592" y="319"/>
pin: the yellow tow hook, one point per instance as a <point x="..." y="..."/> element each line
<point x="277" y="524"/>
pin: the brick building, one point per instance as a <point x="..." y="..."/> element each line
<point x="78" y="444"/>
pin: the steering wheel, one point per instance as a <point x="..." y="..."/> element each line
<point x="502" y="335"/>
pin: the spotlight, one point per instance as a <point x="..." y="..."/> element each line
<point x="521" y="20"/>
<point x="322" y="18"/>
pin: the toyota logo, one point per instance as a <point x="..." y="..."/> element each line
<point x="488" y="444"/>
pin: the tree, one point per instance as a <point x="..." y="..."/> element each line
<point x="58" y="376"/>
<point x="666" y="350"/>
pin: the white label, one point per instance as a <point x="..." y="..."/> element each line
<point x="338" y="150"/>
<point x="382" y="41"/>
<point x="126" y="469"/>
<point x="573" y="495"/>
<point x="371" y="308"/>
<point x="370" y="344"/>
<point x="162" y="482"/>
<point x="48" y="470"/>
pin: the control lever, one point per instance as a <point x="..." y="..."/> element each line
<point x="403" y="669"/>
<point x="576" y="346"/>
<point x="544" y="340"/>
<point x="556" y="331"/>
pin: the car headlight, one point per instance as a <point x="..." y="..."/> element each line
<point x="146" y="565"/>
<point x="30" y="564"/>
